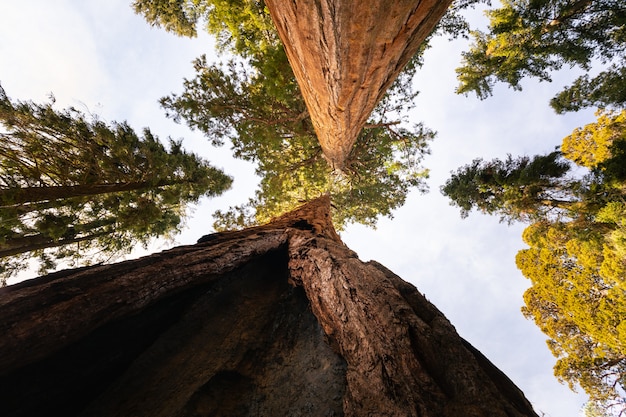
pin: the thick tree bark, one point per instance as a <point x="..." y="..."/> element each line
<point x="281" y="319"/>
<point x="345" y="54"/>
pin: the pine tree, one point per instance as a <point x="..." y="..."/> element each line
<point x="520" y="188"/>
<point x="73" y="188"/>
<point x="531" y="38"/>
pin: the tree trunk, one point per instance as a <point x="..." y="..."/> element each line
<point x="280" y="319"/>
<point x="74" y="233"/>
<point x="345" y="54"/>
<point x="15" y="196"/>
<point x="37" y="242"/>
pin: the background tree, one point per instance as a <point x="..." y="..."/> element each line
<point x="577" y="255"/>
<point x="520" y="188"/>
<point x="578" y="299"/>
<point x="545" y="187"/>
<point x="600" y="146"/>
<point x="82" y="190"/>
<point x="534" y="38"/>
<point x="253" y="101"/>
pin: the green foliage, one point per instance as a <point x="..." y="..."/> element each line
<point x="601" y="147"/>
<point x="544" y="187"/>
<point x="578" y="299"/>
<point x="516" y="189"/>
<point x="369" y="190"/>
<point x="607" y="89"/>
<point x="576" y="258"/>
<point x="598" y="409"/>
<point x="84" y="191"/>
<point x="241" y="26"/>
<point x="178" y="17"/>
<point x="536" y="37"/>
<point x="266" y="121"/>
<point x="592" y="145"/>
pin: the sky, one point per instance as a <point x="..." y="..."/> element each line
<point x="101" y="58"/>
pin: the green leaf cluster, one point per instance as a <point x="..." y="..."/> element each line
<point x="84" y="191"/>
<point x="522" y="188"/>
<point x="536" y="37"/>
<point x="241" y="26"/>
<point x="578" y="299"/>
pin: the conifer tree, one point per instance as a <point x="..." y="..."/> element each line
<point x="74" y="188"/>
<point x="530" y="38"/>
<point x="576" y="258"/>
<point x="253" y="102"/>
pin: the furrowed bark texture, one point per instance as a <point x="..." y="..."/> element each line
<point x="280" y="319"/>
<point x="404" y="357"/>
<point x="345" y="54"/>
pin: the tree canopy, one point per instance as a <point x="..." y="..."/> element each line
<point x="84" y="191"/>
<point x="576" y="258"/>
<point x="534" y="38"/>
<point x="578" y="299"/>
<point x="520" y="188"/>
<point x="577" y="254"/>
<point x="253" y="102"/>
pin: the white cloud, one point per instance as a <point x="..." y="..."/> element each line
<point x="47" y="45"/>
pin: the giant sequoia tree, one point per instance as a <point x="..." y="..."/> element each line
<point x="83" y="190"/>
<point x="280" y="319"/>
<point x="254" y="102"/>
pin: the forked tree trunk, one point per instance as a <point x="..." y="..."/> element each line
<point x="277" y="320"/>
<point x="345" y="54"/>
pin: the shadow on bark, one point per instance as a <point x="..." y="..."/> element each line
<point x="281" y="319"/>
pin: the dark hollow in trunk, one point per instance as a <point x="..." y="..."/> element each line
<point x="277" y="320"/>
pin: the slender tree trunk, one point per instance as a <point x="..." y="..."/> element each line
<point x="14" y="196"/>
<point x="25" y="244"/>
<point x="16" y="244"/>
<point x="280" y="319"/>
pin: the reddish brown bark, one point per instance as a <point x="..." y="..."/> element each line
<point x="281" y="319"/>
<point x="345" y="54"/>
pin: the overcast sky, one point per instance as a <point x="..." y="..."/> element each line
<point x="101" y="58"/>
